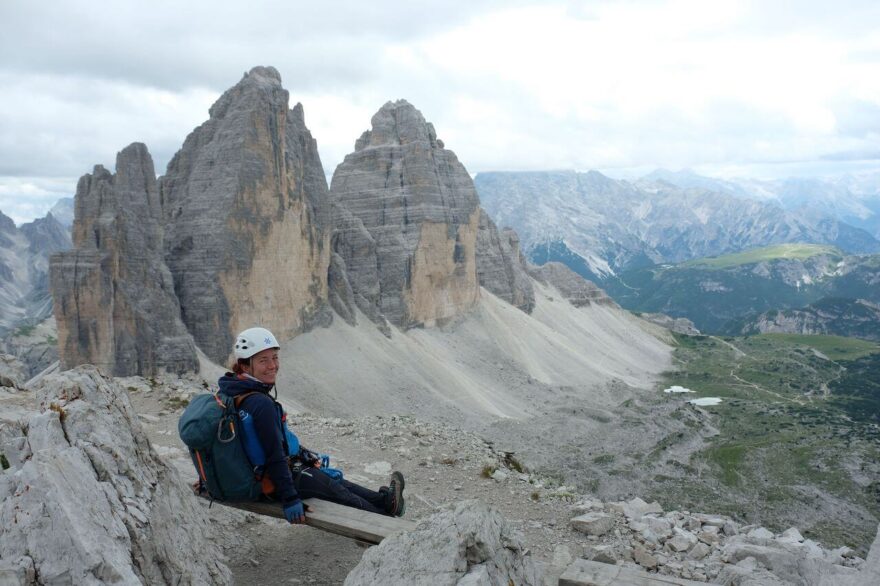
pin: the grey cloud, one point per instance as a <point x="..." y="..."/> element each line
<point x="175" y="45"/>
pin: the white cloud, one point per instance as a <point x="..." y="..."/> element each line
<point x="508" y="85"/>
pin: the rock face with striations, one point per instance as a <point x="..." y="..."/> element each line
<point x="247" y="218"/>
<point x="501" y="267"/>
<point x="113" y="296"/>
<point x="406" y="218"/>
<point x="86" y="500"/>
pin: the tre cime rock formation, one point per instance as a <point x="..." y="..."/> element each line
<point x="113" y="295"/>
<point x="247" y="235"/>
<point x="243" y="230"/>
<point x="407" y="217"/>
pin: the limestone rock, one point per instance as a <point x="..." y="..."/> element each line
<point x="88" y="501"/>
<point x="644" y="559"/>
<point x="577" y="290"/>
<point x="593" y="523"/>
<point x="12" y="372"/>
<point x="114" y="298"/>
<point x="408" y="231"/>
<point x="793" y="566"/>
<point x="247" y="218"/>
<point x="501" y="268"/>
<point x="469" y="543"/>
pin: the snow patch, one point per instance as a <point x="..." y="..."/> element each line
<point x="677" y="389"/>
<point x="705" y="401"/>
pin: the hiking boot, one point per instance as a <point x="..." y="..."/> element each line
<point x="396" y="502"/>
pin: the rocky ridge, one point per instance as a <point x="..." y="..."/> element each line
<point x="501" y="266"/>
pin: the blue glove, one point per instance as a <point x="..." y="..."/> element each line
<point x="294" y="512"/>
<point x="325" y="461"/>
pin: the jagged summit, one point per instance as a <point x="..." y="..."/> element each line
<point x="260" y="83"/>
<point x="398" y="123"/>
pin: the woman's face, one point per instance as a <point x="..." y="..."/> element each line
<point x="264" y="366"/>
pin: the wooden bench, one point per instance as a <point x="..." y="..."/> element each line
<point x="362" y="526"/>
<point x="589" y="573"/>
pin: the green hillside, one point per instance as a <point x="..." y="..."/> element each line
<point x="834" y="347"/>
<point x="781" y="251"/>
<point x="797" y="433"/>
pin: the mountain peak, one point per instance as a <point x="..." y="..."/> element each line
<point x="398" y="123"/>
<point x="257" y="86"/>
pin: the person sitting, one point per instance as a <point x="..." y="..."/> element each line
<point x="295" y="473"/>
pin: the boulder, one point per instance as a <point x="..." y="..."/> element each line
<point x="593" y="523"/>
<point x="247" y="218"/>
<point x="86" y="499"/>
<point x="467" y="544"/>
<point x="644" y="559"/>
<point x="113" y="295"/>
<point x="790" y="566"/>
<point x="406" y="219"/>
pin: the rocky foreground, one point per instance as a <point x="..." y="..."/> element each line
<point x="94" y="490"/>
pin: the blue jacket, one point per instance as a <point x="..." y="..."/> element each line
<point x="270" y="427"/>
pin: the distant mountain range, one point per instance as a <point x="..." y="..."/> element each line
<point x="745" y="292"/>
<point x="853" y="199"/>
<point x="24" y="265"/>
<point x="600" y="227"/>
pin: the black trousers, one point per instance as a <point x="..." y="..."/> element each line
<point x="313" y="483"/>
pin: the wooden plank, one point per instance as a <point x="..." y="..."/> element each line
<point x="338" y="519"/>
<point x="588" y="573"/>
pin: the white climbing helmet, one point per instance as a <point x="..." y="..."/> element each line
<point x="254" y="340"/>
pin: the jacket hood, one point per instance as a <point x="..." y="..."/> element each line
<point x="232" y="385"/>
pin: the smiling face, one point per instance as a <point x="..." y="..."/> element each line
<point x="264" y="366"/>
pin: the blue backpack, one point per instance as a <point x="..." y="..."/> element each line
<point x="211" y="428"/>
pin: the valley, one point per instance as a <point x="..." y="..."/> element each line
<point x="797" y="433"/>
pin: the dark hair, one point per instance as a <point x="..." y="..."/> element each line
<point x="237" y="368"/>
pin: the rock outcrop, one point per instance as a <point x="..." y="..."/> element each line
<point x="577" y="290"/>
<point x="468" y="544"/>
<point x="406" y="222"/>
<point x="838" y="316"/>
<point x="114" y="298"/>
<point x="247" y="218"/>
<point x="501" y="267"/>
<point x="679" y="325"/>
<point x="86" y="500"/>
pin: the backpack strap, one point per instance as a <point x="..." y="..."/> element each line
<point x="240" y="398"/>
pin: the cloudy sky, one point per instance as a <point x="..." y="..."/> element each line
<point x="726" y="87"/>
